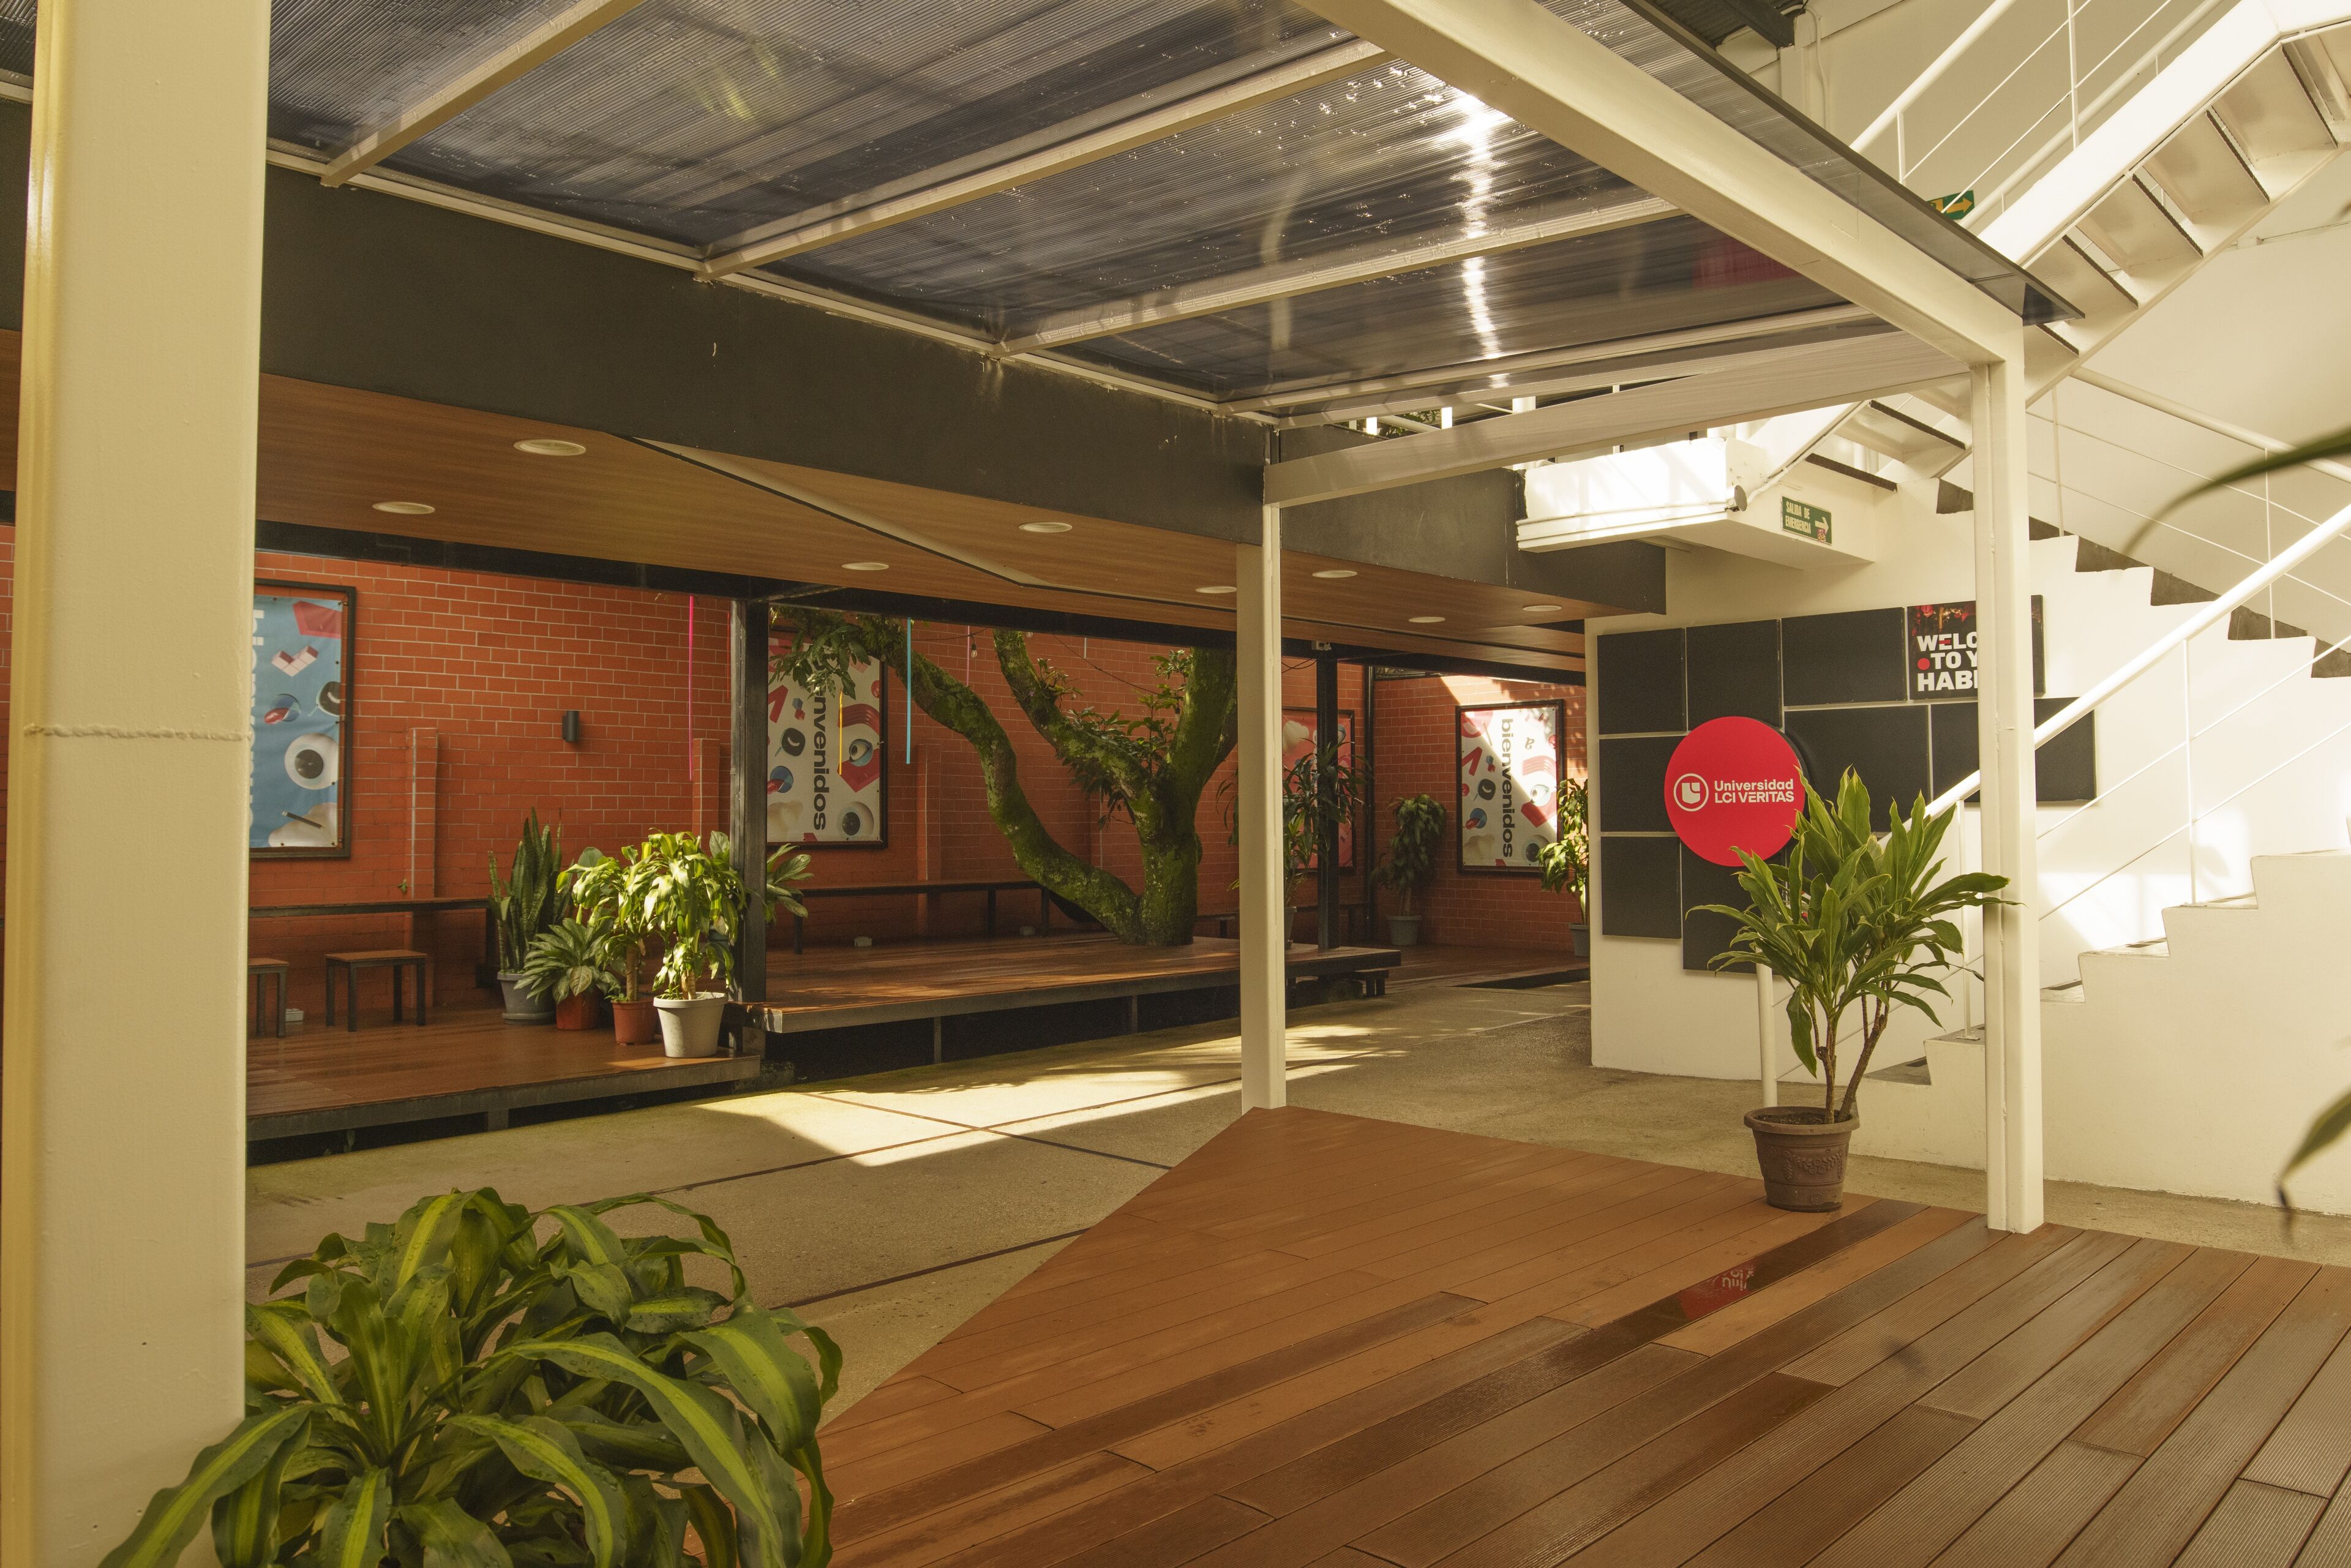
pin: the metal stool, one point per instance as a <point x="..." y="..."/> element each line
<point x="272" y="972"/>
<point x="396" y="959"/>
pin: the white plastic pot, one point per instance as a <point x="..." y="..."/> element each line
<point x="690" y="1024"/>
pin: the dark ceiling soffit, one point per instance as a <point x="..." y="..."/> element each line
<point x="399" y="550"/>
<point x="1773" y="24"/>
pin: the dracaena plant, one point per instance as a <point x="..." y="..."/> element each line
<point x="479" y="1385"/>
<point x="1855" y="924"/>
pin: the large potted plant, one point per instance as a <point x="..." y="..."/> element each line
<point x="693" y="900"/>
<point x="1566" y="861"/>
<point x="1858" y="927"/>
<point x="1320" y="788"/>
<point x="567" y="967"/>
<point x="1410" y="863"/>
<point x="479" y="1383"/>
<point x="523" y="905"/>
<point x="609" y="894"/>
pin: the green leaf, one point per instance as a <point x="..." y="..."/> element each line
<point x="545" y="1451"/>
<point x="2323" y="1133"/>
<point x="284" y="1332"/>
<point x="174" y="1514"/>
<point x="245" y="1522"/>
<point x="769" y="1375"/>
<point x="352" y="1536"/>
<point x="689" y="1308"/>
<point x="603" y="1288"/>
<point x="707" y="1425"/>
<point x="629" y="1444"/>
<point x="713" y="1524"/>
<point x="451" y="1537"/>
<point x="589" y="1238"/>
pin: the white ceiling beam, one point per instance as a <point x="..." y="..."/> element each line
<point x="1499" y="375"/>
<point x="476" y="82"/>
<point x="1517" y="56"/>
<point x="1357" y="264"/>
<point x="1156" y="115"/>
<point x="1780" y="384"/>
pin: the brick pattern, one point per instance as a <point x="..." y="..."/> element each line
<point x="1414" y="736"/>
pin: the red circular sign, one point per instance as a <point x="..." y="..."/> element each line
<point x="1734" y="784"/>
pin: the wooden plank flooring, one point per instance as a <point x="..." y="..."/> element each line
<point x="1324" y="1341"/>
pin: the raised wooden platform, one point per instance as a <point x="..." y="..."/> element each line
<point x="469" y="1063"/>
<point x="1324" y="1341"/>
<point x="840" y="988"/>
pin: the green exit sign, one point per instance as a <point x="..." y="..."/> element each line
<point x="1796" y="518"/>
<point x="1957" y="205"/>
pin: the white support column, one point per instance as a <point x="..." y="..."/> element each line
<point x="122" y="1150"/>
<point x="1264" y="923"/>
<point x="2012" y="1162"/>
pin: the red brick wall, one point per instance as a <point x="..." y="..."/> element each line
<point x="1415" y="736"/>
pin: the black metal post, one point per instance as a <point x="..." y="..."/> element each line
<point x="1326" y="805"/>
<point x="1368" y="819"/>
<point x="746" y="794"/>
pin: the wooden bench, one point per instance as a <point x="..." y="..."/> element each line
<point x="270" y="972"/>
<point x="924" y="890"/>
<point x="396" y="959"/>
<point x="1353" y="920"/>
<point x="486" y="976"/>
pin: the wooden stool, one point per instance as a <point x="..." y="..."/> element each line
<point x="272" y="972"/>
<point x="396" y="959"/>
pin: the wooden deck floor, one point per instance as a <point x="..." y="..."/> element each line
<point x="1332" y="1343"/>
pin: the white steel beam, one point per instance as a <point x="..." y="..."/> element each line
<point x="1155" y="116"/>
<point x="1264" y="910"/>
<point x="476" y="82"/>
<point x="1519" y="58"/>
<point x="1357" y="264"/>
<point x="1798" y="379"/>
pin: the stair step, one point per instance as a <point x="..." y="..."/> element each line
<point x="1902" y="1073"/>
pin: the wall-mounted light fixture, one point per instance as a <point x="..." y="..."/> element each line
<point x="571" y="727"/>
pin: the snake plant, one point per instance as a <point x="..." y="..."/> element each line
<point x="532" y="899"/>
<point x="482" y="1387"/>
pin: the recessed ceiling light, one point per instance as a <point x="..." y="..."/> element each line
<point x="1539" y="609"/>
<point x="1044" y="528"/>
<point x="1217" y="588"/>
<point x="547" y="447"/>
<point x="1334" y="574"/>
<point x="1425" y="620"/>
<point x="865" y="566"/>
<point x="405" y="509"/>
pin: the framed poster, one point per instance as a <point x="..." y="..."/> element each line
<point x="300" y="792"/>
<point x="1942" y="651"/>
<point x="826" y="784"/>
<point x="1506" y="760"/>
<point x="1298" y="740"/>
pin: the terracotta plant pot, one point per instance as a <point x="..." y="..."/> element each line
<point x="1803" y="1157"/>
<point x="635" y="1023"/>
<point x="575" y="1013"/>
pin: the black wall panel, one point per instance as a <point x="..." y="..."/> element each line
<point x="1734" y="671"/>
<point x="2066" y="770"/>
<point x="1640" y="887"/>
<point x="1887" y="745"/>
<point x="1641" y="681"/>
<point x="1633" y="783"/>
<point x="1705" y="934"/>
<point x="1857" y="657"/>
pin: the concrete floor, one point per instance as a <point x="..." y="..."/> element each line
<point x="893" y="1207"/>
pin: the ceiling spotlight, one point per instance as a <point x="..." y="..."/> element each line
<point x="1218" y="588"/>
<point x="405" y="509"/>
<point x="1425" y="620"/>
<point x="1044" y="528"/>
<point x="865" y="566"/>
<point x="1334" y="574"/>
<point x="1539" y="609"/>
<point x="547" y="447"/>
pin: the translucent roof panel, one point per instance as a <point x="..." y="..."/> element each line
<point x="1649" y="278"/>
<point x="694" y="119"/>
<point x="16" y="37"/>
<point x="1389" y="155"/>
<point x="336" y="69"/>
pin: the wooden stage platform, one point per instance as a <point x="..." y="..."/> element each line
<point x="472" y="1063"/>
<point x="1324" y="1341"/>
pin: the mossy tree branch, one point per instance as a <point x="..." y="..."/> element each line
<point x="1153" y="767"/>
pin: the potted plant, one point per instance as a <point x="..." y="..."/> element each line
<point x="692" y="900"/>
<point x="610" y="894"/>
<point x="1410" y="863"/>
<point x="1567" y="862"/>
<point x="1305" y="808"/>
<point x="522" y="906"/>
<point x="567" y="967"/>
<point x="480" y="1384"/>
<point x="1857" y="926"/>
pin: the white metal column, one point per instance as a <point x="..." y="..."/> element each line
<point x="122" y="1157"/>
<point x="2012" y="1161"/>
<point x="1264" y="921"/>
